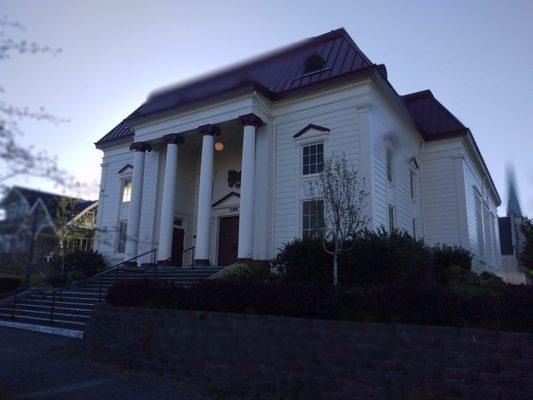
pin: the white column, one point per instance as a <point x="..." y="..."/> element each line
<point x="166" y="226"/>
<point x="246" y="209"/>
<point x="134" y="212"/>
<point x="205" y="195"/>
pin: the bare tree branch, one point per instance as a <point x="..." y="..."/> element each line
<point x="344" y="199"/>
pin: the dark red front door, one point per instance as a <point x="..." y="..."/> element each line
<point x="228" y="240"/>
<point x="177" y="247"/>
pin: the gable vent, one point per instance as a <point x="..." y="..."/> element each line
<point x="314" y="63"/>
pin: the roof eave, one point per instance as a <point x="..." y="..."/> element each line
<point x="472" y="143"/>
<point x="103" y="144"/>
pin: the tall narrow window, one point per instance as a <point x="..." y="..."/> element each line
<point x="126" y="190"/>
<point x="388" y="160"/>
<point x="412" y="184"/>
<point x="479" y="229"/>
<point x="413" y="228"/>
<point x="488" y="238"/>
<point x="121" y="242"/>
<point x="312" y="218"/>
<point x="391" y="218"/>
<point x="313" y="159"/>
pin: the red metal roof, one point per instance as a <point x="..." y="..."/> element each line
<point x="274" y="75"/>
<point x="433" y="119"/>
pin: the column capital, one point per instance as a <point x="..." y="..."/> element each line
<point x="140" y="146"/>
<point x="209" y="129"/>
<point x="251" y="119"/>
<point x="173" y="138"/>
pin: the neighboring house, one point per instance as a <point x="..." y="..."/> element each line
<point x="31" y="216"/>
<point x="512" y="240"/>
<point x="220" y="163"/>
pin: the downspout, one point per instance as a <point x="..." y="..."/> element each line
<point x="272" y="224"/>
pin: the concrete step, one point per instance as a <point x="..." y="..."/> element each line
<point x="48" y="303"/>
<point x="74" y="308"/>
<point x="42" y="307"/>
<point x="46" y="314"/>
<point x="64" y="298"/>
<point x="46" y="321"/>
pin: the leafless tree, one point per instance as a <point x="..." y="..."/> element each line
<point x="17" y="159"/>
<point x="343" y="195"/>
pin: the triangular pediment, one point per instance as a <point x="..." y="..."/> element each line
<point x="125" y="169"/>
<point x="230" y="199"/>
<point x="311" y="128"/>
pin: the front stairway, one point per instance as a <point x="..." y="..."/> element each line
<point x="68" y="313"/>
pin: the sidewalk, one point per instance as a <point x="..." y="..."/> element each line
<point x="32" y="367"/>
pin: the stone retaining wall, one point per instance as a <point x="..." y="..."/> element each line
<point x="270" y="357"/>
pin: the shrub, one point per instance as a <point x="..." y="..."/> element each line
<point x="252" y="271"/>
<point x="304" y="261"/>
<point x="445" y="255"/>
<point x="507" y="307"/>
<point x="381" y="257"/>
<point x="88" y="262"/>
<point x="227" y="296"/>
<point x="9" y="284"/>
<point x="154" y="293"/>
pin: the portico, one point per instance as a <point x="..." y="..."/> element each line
<point x="209" y="210"/>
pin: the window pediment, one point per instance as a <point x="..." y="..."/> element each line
<point x="128" y="168"/>
<point x="311" y="130"/>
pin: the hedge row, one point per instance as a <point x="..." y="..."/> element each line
<point x="490" y="305"/>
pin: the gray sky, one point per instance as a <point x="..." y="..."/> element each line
<point x="476" y="57"/>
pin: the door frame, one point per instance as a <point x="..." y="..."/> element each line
<point x="182" y="227"/>
<point x="217" y="241"/>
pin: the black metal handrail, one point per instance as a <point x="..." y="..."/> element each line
<point x="59" y="291"/>
<point x="15" y="293"/>
<point x="185" y="251"/>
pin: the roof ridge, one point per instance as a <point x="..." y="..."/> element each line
<point x="428" y="93"/>
<point x="257" y="59"/>
<point x="44" y="192"/>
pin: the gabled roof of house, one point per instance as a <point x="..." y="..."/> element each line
<point x="52" y="201"/>
<point x="274" y="75"/>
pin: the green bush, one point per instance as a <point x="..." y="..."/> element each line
<point x="9" y="284"/>
<point x="445" y="255"/>
<point x="381" y="257"/>
<point x="304" y="261"/>
<point x="253" y="271"/>
<point x="373" y="259"/>
<point x="88" y="262"/>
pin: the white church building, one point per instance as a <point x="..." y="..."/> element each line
<point x="218" y="166"/>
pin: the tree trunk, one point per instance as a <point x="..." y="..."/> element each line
<point x="335" y="272"/>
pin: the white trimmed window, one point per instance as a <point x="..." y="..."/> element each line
<point x="312" y="218"/>
<point x="479" y="229"/>
<point x="313" y="159"/>
<point x="126" y="190"/>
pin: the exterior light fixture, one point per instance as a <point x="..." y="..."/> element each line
<point x="219" y="146"/>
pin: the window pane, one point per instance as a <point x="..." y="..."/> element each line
<point x="126" y="191"/>
<point x="312" y="218"/>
